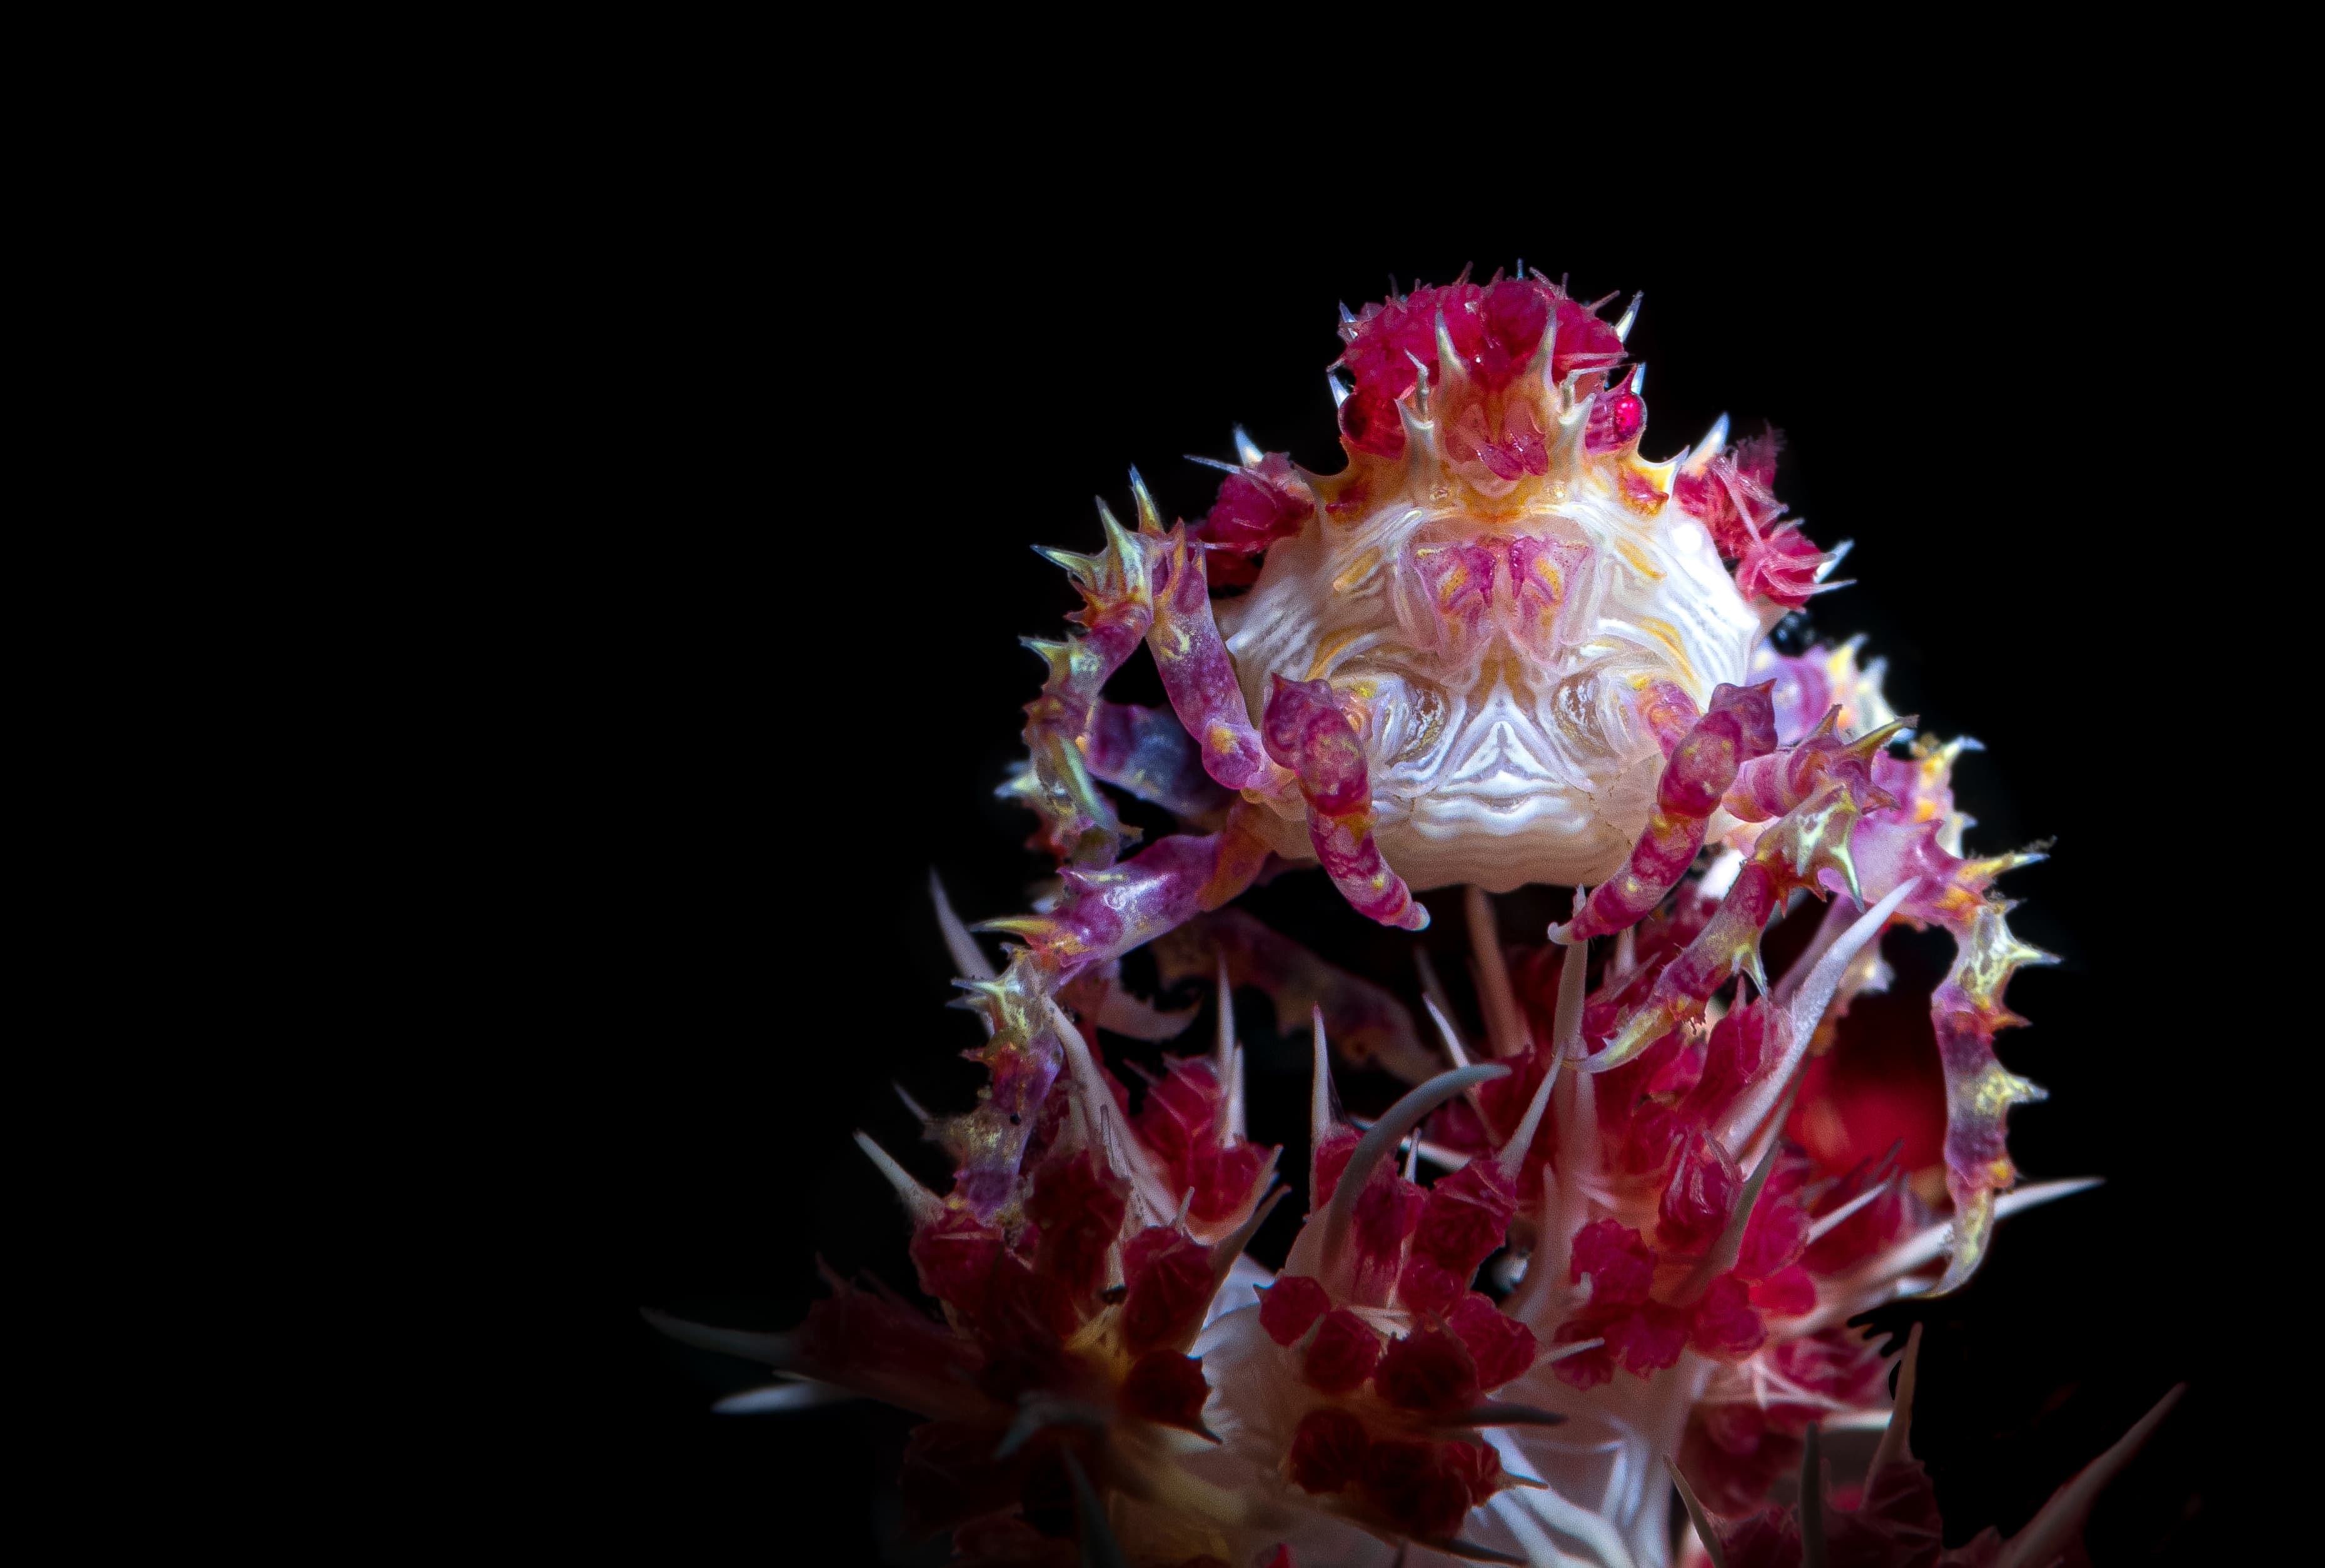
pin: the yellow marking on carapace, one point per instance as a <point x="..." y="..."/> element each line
<point x="1631" y="553"/>
<point x="1359" y="569"/>
<point x="1667" y="635"/>
<point x="1220" y="738"/>
<point x="1330" y="647"/>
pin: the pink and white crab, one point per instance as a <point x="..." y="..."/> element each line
<point x="1499" y="648"/>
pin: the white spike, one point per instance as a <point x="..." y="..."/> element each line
<point x="1919" y="1249"/>
<point x="924" y="1206"/>
<point x="1578" y="1131"/>
<point x="1117" y="1143"/>
<point x="1322" y="1112"/>
<point x="2055" y="1524"/>
<point x="1800" y="1016"/>
<point x="1348" y="317"/>
<point x="1639" y="379"/>
<point x="1834" y="557"/>
<point x="1445" y="1031"/>
<point x="1213" y="463"/>
<point x="967" y="956"/>
<point x="805" y="1394"/>
<point x="1630" y="319"/>
<point x="1237" y="1126"/>
<point x="1224" y="1047"/>
<point x="923" y="1117"/>
<point x="1322" y="1243"/>
<point x="1626" y="951"/>
<point x="1448" y="358"/>
<point x="1505" y="1028"/>
<point x="1714" y="441"/>
<point x="1247" y="450"/>
<point x="1573" y="975"/>
<point x="1513" y="1152"/>
<point x="1829" y="1222"/>
<point x="1411" y="1158"/>
<point x="1339" y="393"/>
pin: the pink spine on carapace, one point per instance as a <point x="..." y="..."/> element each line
<point x="1739" y="727"/>
<point x="1308" y="733"/>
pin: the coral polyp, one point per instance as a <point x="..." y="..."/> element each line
<point x="1499" y="648"/>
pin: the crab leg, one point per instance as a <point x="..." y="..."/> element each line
<point x="1191" y="655"/>
<point x="1903" y="844"/>
<point x="1079" y="824"/>
<point x="1809" y="844"/>
<point x="1740" y="725"/>
<point x="1147" y="752"/>
<point x="1307" y="733"/>
<point x="1107" y="912"/>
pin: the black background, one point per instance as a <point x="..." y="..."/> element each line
<point x="833" y="421"/>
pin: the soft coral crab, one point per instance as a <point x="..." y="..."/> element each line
<point x="1499" y="648"/>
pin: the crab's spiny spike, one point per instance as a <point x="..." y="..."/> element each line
<point x="1453" y="374"/>
<point x="967" y="956"/>
<point x="1639" y="379"/>
<point x="1213" y="463"/>
<point x="1083" y="568"/>
<point x="1714" y="441"/>
<point x="1247" y="449"/>
<point x="1339" y="393"/>
<point x="1150" y="516"/>
<point x="1628" y="319"/>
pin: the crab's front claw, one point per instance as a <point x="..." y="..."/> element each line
<point x="1307" y="733"/>
<point x="1193" y="657"/>
<point x="1079" y="824"/>
<point x="1740" y="725"/>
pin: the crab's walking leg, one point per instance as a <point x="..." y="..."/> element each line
<point x="1104" y="915"/>
<point x="1890" y="848"/>
<point x="1807" y="846"/>
<point x="1741" y="725"/>
<point x="1307" y="733"/>
<point x="1146" y="751"/>
<point x="1192" y="656"/>
<point x="1107" y="912"/>
<point x="1079" y="824"/>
